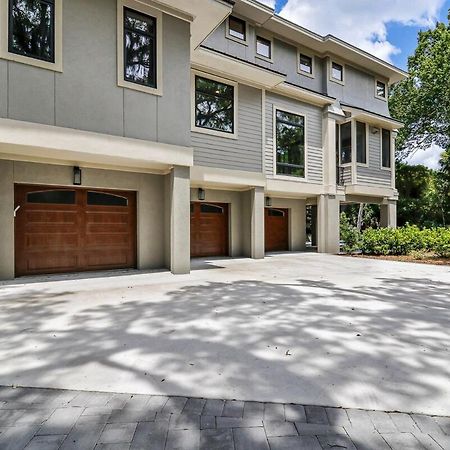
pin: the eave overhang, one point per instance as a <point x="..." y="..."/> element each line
<point x="373" y="119"/>
<point x="303" y="94"/>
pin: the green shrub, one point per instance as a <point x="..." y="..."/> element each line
<point x="350" y="235"/>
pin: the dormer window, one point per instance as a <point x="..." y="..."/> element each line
<point x="380" y="89"/>
<point x="237" y="28"/>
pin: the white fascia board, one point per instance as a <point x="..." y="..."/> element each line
<point x="303" y="94"/>
<point x="375" y="120"/>
<point x="35" y="141"/>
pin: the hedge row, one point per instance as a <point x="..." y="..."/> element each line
<point x="396" y="241"/>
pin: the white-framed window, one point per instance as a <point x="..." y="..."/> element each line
<point x="381" y="90"/>
<point x="362" y="143"/>
<point x="264" y="48"/>
<point x="215" y="105"/>
<point x="350" y="134"/>
<point x="139" y="47"/>
<point x="290" y="153"/>
<point x="305" y="64"/>
<point x="344" y="142"/>
<point x="237" y="30"/>
<point x="337" y="72"/>
<point x="31" y="32"/>
<point x="386" y="149"/>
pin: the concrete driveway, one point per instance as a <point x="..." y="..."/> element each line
<point x="301" y="328"/>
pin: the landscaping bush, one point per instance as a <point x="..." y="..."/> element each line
<point x="350" y="235"/>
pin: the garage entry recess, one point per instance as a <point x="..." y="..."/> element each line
<point x="209" y="229"/>
<point x="68" y="229"/>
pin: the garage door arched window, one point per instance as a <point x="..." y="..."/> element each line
<point x="61" y="197"/>
<point x="105" y="199"/>
<point x="32" y="29"/>
<point x="276" y="213"/>
<point x="212" y="209"/>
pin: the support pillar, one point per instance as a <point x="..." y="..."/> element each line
<point x="328" y="229"/>
<point x="388" y="210"/>
<point x="178" y="248"/>
<point x="254" y="206"/>
<point x="6" y="220"/>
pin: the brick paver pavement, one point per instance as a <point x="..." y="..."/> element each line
<point x="46" y="419"/>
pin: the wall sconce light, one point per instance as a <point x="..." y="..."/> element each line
<point x="201" y="194"/>
<point x="375" y="130"/>
<point x="268" y="202"/>
<point x="76" y="176"/>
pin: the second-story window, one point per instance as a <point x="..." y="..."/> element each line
<point x="264" y="47"/>
<point x="214" y="105"/>
<point x="139" y="48"/>
<point x="381" y="90"/>
<point x="361" y="143"/>
<point x="32" y="29"/>
<point x="237" y="28"/>
<point x="306" y="64"/>
<point x="386" y="149"/>
<point x="346" y="143"/>
<point x="337" y="72"/>
<point x="290" y="144"/>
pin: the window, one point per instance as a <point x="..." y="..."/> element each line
<point x="306" y="64"/>
<point x="60" y="197"/>
<point x="105" y="199"/>
<point x="346" y="143"/>
<point x="276" y="213"/>
<point x="237" y="28"/>
<point x="381" y="90"/>
<point x="337" y="72"/>
<point x="32" y="29"/>
<point x="139" y="48"/>
<point x="290" y="144"/>
<point x="361" y="143"/>
<point x="211" y="209"/>
<point x="386" y="149"/>
<point x="214" y="105"/>
<point x="264" y="47"/>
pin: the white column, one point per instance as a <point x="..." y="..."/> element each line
<point x="328" y="233"/>
<point x="178" y="247"/>
<point x="257" y="223"/>
<point x="6" y="220"/>
<point x="389" y="214"/>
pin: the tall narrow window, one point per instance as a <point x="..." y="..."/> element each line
<point x="290" y="144"/>
<point x="386" y="149"/>
<point x="306" y="64"/>
<point x="264" y="47"/>
<point x="139" y="48"/>
<point x="237" y="28"/>
<point x="346" y="143"/>
<point x="337" y="72"/>
<point x="361" y="143"/>
<point x="214" y="105"/>
<point x="381" y="90"/>
<point x="32" y="29"/>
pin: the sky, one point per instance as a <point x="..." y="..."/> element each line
<point x="385" y="28"/>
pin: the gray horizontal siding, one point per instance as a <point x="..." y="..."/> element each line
<point x="373" y="174"/>
<point x="313" y="116"/>
<point x="244" y="153"/>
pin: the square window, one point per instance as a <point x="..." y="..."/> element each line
<point x="237" y="28"/>
<point x="32" y="29"/>
<point x="264" y="47"/>
<point x="290" y="144"/>
<point x="214" y="105"/>
<point x="337" y="72"/>
<point x="139" y="48"/>
<point x="381" y="89"/>
<point x="306" y="64"/>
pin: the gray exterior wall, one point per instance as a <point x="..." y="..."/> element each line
<point x="86" y="95"/>
<point x="243" y="153"/>
<point x="359" y="89"/>
<point x="314" y="143"/>
<point x="373" y="174"/>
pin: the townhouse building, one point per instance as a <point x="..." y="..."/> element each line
<point x="143" y="133"/>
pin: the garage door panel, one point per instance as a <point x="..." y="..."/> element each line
<point x="52" y="237"/>
<point x="276" y="225"/>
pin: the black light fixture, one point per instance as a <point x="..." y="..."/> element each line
<point x="201" y="194"/>
<point x="268" y="202"/>
<point x="76" y="176"/>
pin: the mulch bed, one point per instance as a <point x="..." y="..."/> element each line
<point x="435" y="260"/>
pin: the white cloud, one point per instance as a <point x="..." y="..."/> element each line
<point x="429" y="158"/>
<point x="270" y="3"/>
<point x="362" y="22"/>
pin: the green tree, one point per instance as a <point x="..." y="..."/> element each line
<point x="422" y="101"/>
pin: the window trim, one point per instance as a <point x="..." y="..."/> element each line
<point x="57" y="65"/>
<point x="392" y="151"/>
<point x="149" y="11"/>
<point x="347" y="164"/>
<point x="300" y="52"/>
<point x="330" y="71"/>
<point x="235" y="85"/>
<point x="366" y="164"/>
<point x="234" y="38"/>
<point x="280" y="107"/>
<point x="380" y="97"/>
<point x="268" y="39"/>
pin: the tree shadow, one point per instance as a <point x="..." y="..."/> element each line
<point x="310" y="342"/>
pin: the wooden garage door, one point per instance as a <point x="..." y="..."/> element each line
<point x="209" y="229"/>
<point x="69" y="229"/>
<point x="277" y="229"/>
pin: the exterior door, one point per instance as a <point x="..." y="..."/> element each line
<point x="209" y="229"/>
<point x="65" y="229"/>
<point x="276" y="229"/>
